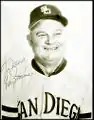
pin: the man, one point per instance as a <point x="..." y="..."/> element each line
<point x="43" y="87"/>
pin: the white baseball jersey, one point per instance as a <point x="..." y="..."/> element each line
<point x="28" y="94"/>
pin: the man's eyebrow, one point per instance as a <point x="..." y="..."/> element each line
<point x="59" y="30"/>
<point x="39" y="32"/>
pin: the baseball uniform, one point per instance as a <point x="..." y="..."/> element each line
<point x="28" y="94"/>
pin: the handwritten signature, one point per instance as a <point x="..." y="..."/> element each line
<point x="10" y="72"/>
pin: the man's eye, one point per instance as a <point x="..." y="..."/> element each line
<point x="57" y="34"/>
<point x="41" y="35"/>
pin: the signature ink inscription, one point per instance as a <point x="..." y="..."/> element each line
<point x="12" y="71"/>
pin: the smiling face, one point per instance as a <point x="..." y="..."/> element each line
<point x="47" y="41"/>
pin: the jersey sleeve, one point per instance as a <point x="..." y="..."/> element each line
<point x="8" y="95"/>
<point x="86" y="103"/>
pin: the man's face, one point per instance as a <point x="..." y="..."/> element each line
<point x="47" y="41"/>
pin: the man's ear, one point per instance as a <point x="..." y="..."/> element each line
<point x="29" y="39"/>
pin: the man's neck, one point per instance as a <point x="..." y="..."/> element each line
<point x="47" y="69"/>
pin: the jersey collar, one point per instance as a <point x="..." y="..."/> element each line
<point x="57" y="70"/>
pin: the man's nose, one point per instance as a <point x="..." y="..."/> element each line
<point x="49" y="40"/>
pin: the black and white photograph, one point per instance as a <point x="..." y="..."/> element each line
<point x="46" y="60"/>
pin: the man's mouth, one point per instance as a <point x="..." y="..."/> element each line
<point x="51" y="48"/>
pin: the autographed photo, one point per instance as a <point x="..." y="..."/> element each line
<point x="46" y="60"/>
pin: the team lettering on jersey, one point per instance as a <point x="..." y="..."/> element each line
<point x="56" y="101"/>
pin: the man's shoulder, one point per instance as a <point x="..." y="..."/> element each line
<point x="15" y="69"/>
<point x="75" y="80"/>
<point x="11" y="63"/>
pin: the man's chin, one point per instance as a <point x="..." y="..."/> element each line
<point x="49" y="60"/>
